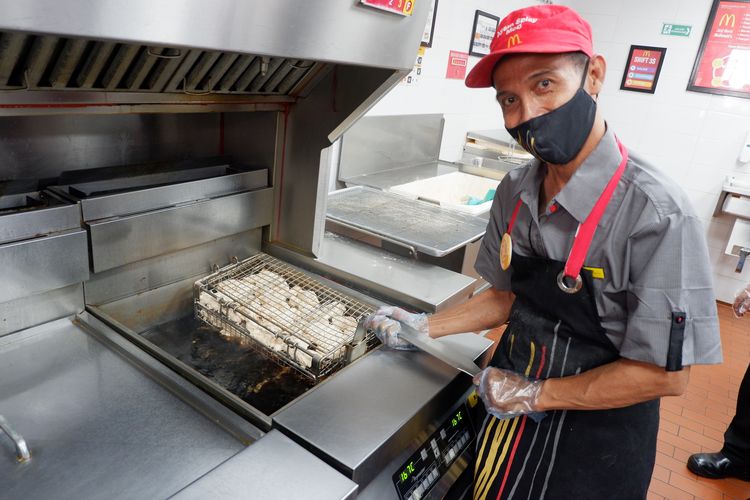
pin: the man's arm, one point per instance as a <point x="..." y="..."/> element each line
<point x="614" y="385"/>
<point x="486" y="310"/>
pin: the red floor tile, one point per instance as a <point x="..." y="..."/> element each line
<point x="696" y="421"/>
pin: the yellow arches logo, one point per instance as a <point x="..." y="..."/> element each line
<point x="727" y="20"/>
<point x="514" y="40"/>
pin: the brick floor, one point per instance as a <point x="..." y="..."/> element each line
<point x="696" y="421"/>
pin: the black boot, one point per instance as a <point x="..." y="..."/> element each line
<point x="717" y="466"/>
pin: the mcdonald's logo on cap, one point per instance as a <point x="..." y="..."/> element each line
<point x="514" y="40"/>
<point x="727" y="20"/>
<point x="646" y="53"/>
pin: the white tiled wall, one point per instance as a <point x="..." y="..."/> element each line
<point x="694" y="137"/>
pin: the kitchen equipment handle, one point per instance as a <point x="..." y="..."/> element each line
<point x="22" y="451"/>
<point x="410" y="248"/>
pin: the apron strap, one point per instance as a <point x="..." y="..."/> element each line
<point x="585" y="232"/>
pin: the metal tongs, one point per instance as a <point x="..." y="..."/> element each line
<point x="430" y="346"/>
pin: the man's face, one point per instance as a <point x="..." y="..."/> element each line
<point x="530" y="85"/>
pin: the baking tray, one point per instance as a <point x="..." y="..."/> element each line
<point x="426" y="227"/>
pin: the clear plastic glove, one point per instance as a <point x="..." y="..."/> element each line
<point x="507" y="394"/>
<point x="741" y="302"/>
<point x="386" y="323"/>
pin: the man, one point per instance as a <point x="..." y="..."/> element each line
<point x="603" y="275"/>
<point x="734" y="458"/>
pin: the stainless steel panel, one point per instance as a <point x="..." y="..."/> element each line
<point x="334" y="30"/>
<point x="124" y="240"/>
<point x="40" y="55"/>
<point x="141" y="68"/>
<point x="66" y="62"/>
<point x="364" y="417"/>
<point x="422" y="286"/>
<point x="40" y="308"/>
<point x="218" y="70"/>
<point x="121" y="182"/>
<point x="380" y="143"/>
<point x="428" y="228"/>
<point x="231" y="76"/>
<point x="94" y="64"/>
<point x="40" y="264"/>
<point x="223" y="417"/>
<point x="178" y="77"/>
<point x="199" y="70"/>
<point x="11" y="44"/>
<point x="122" y="59"/>
<point x="164" y="196"/>
<point x="274" y="468"/>
<point x="142" y="311"/>
<point x="44" y="146"/>
<point x="96" y="425"/>
<point x="150" y="274"/>
<point x="22" y="225"/>
<point x="396" y="177"/>
<point x="298" y="180"/>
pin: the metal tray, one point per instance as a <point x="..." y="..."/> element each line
<point x="425" y="227"/>
<point x="290" y="316"/>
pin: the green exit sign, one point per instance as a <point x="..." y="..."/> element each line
<point x="676" y="29"/>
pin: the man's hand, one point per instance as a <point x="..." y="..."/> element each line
<point x="741" y="302"/>
<point x="386" y="323"/>
<point x="506" y="393"/>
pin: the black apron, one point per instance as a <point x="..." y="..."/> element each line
<point x="569" y="454"/>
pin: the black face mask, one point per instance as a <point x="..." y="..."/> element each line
<point x="558" y="136"/>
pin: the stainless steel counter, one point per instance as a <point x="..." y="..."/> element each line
<point x="273" y="468"/>
<point x="97" y="426"/>
<point x="366" y="415"/>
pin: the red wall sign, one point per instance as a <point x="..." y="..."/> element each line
<point x="723" y="62"/>
<point x="457" y="62"/>
<point x="403" y="7"/>
<point x="644" y="65"/>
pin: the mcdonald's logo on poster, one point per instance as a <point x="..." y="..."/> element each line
<point x="727" y="20"/>
<point x="514" y="40"/>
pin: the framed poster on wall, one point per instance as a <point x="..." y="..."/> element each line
<point x="429" y="28"/>
<point x="642" y="71"/>
<point x="722" y="65"/>
<point x="485" y="26"/>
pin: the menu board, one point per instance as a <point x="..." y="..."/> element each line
<point x="403" y="7"/>
<point x="723" y="62"/>
<point x="644" y="65"/>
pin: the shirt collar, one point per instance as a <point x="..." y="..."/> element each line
<point x="580" y="193"/>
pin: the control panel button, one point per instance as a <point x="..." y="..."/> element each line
<point x="443" y="434"/>
<point x="424" y="454"/>
<point x="434" y="475"/>
<point x="418" y="492"/>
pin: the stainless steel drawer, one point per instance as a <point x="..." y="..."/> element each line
<point x="122" y="240"/>
<point x="39" y="264"/>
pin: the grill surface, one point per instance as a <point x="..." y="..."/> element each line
<point x="292" y="317"/>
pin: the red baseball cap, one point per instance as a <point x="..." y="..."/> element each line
<point x="542" y="29"/>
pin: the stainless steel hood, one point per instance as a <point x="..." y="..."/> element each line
<point x="47" y="62"/>
<point x="189" y="47"/>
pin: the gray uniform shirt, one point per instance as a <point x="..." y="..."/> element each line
<point x="648" y="257"/>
